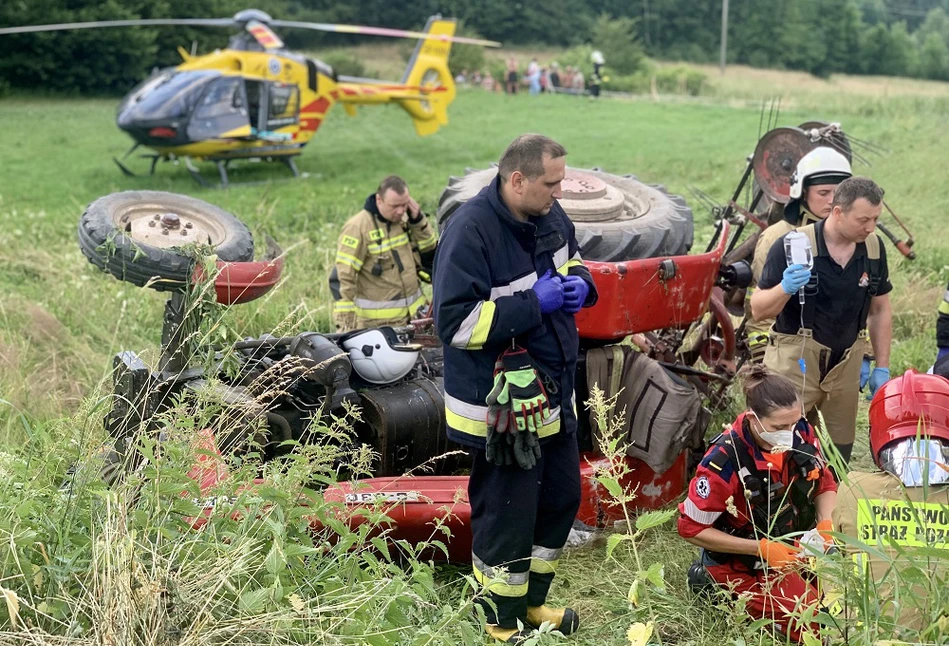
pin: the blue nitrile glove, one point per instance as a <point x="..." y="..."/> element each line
<point x="795" y="277"/>
<point x="575" y="291"/>
<point x="549" y="292"/>
<point x="864" y="373"/>
<point x="942" y="352"/>
<point x="878" y="377"/>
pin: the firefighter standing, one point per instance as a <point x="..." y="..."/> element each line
<point x="382" y="253"/>
<point x="508" y="281"/>
<point x="760" y="480"/>
<point x="906" y="502"/>
<point x="942" y="327"/>
<point x="812" y="193"/>
<point x="821" y="344"/>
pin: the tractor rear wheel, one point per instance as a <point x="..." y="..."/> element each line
<point x="137" y="236"/>
<point x="617" y="217"/>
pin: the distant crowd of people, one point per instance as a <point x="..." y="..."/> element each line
<point x="536" y="79"/>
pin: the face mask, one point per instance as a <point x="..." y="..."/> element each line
<point x="779" y="440"/>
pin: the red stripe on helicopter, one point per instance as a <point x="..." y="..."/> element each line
<point x="308" y="125"/>
<point x="414" y="88"/>
<point x="320" y="105"/>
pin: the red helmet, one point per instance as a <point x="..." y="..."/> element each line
<point x="906" y="406"/>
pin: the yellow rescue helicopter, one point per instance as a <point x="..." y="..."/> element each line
<point x="256" y="100"/>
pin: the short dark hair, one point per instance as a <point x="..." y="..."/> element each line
<point x="526" y="154"/>
<point x="393" y="182"/>
<point x="852" y="189"/>
<point x="766" y="390"/>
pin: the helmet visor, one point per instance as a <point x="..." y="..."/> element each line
<point x="917" y="461"/>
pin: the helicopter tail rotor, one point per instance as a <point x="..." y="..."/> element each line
<point x="428" y="73"/>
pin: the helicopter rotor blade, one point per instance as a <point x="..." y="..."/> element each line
<point x="99" y="24"/>
<point x="382" y="31"/>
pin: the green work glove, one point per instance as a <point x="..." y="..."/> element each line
<point x="526" y="449"/>
<point x="523" y="391"/>
<point x="499" y="444"/>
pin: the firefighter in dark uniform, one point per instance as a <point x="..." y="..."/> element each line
<point x="905" y="502"/>
<point x="759" y="481"/>
<point x="942" y="327"/>
<point x="845" y="297"/>
<point x="508" y="281"/>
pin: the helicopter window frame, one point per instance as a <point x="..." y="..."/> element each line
<point x="282" y="99"/>
<point x="231" y="103"/>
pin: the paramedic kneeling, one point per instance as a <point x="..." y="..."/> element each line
<point x="846" y="293"/>
<point x="761" y="480"/>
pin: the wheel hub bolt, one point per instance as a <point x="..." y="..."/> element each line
<point x="184" y="232"/>
<point x="164" y="232"/>
<point x="151" y="223"/>
<point x="170" y="220"/>
<point x="189" y="225"/>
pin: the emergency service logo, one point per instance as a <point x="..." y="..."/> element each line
<point x="702" y="487"/>
<point x="864" y="280"/>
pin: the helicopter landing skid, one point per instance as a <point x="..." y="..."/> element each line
<point x="222" y="167"/>
<point x="128" y="173"/>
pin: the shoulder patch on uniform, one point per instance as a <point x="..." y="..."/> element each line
<point x="376" y="234"/>
<point x="719" y="462"/>
<point x="349" y="241"/>
<point x="702" y="487"/>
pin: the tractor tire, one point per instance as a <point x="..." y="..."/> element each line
<point x="653" y="223"/>
<point x="122" y="234"/>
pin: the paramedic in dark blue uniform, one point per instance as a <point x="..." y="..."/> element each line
<point x="508" y="273"/>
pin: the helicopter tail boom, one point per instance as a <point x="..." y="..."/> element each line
<point x="426" y="89"/>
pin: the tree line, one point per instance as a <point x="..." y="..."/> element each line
<point x="822" y="37"/>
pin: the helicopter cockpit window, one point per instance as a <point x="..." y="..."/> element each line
<point x="171" y="96"/>
<point x="222" y="109"/>
<point x="223" y="98"/>
<point x="284" y="105"/>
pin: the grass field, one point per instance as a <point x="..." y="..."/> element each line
<point x="61" y="320"/>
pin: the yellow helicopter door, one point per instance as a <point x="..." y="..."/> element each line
<point x="221" y="112"/>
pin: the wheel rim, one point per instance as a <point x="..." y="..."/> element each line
<point x="165" y="226"/>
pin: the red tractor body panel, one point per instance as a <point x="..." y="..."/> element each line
<point x="650" y="294"/>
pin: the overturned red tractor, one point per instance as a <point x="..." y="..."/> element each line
<point x="635" y="239"/>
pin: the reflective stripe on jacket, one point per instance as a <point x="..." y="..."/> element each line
<point x="375" y="278"/>
<point x="485" y="266"/>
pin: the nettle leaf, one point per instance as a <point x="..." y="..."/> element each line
<point x="612" y="485"/>
<point x="656" y="575"/>
<point x="650" y="519"/>
<point x="613" y="540"/>
<point x="275" y="561"/>
<point x="252" y="601"/>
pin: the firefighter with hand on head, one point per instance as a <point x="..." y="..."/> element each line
<point x="812" y="193"/>
<point x="821" y="343"/>
<point x="508" y="283"/>
<point x="761" y="480"/>
<point x="906" y="501"/>
<point x="383" y="253"/>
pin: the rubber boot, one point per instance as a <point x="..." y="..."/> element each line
<point x="566" y="620"/>
<point x="506" y="635"/>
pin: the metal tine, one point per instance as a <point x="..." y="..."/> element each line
<point x="761" y="119"/>
<point x="870" y="146"/>
<point x="703" y="197"/>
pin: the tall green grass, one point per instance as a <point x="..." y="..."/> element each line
<point x="123" y="565"/>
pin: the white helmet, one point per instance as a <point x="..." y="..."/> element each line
<point x="822" y="163"/>
<point x="597" y="57"/>
<point x="378" y="356"/>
